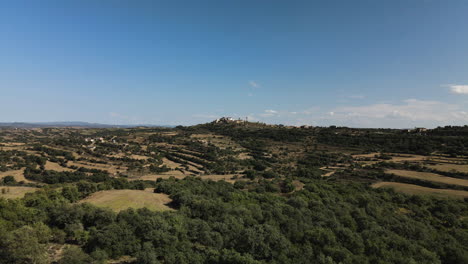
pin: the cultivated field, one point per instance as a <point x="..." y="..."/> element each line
<point x="215" y="177"/>
<point x="17" y="174"/>
<point x="55" y="166"/>
<point x="12" y="192"/>
<point x="416" y="189"/>
<point x="450" y="167"/>
<point x="107" y="167"/>
<point x="427" y="176"/>
<point x="118" y="200"/>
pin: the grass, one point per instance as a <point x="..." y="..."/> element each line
<point x="17" y="174"/>
<point x="170" y="164"/>
<point x="450" y="167"/>
<point x="89" y="165"/>
<point x="55" y="166"/>
<point x="419" y="190"/>
<point x="219" y="177"/>
<point x="427" y="176"/>
<point x="14" y="192"/>
<point x="118" y="200"/>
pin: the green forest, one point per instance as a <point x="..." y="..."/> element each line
<point x="217" y="223"/>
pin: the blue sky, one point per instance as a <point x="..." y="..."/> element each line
<point x="354" y="63"/>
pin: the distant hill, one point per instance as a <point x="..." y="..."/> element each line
<point x="70" y="124"/>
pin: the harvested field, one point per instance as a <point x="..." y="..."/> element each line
<point x="370" y="155"/>
<point x="329" y="171"/>
<point x="169" y="133"/>
<point x="131" y="156"/>
<point x="139" y="157"/>
<point x="75" y="155"/>
<point x="219" y="177"/>
<point x="170" y="164"/>
<point x="416" y="189"/>
<point x="396" y="157"/>
<point x="108" y="167"/>
<point x="244" y="156"/>
<point x="450" y="167"/>
<point x="407" y="157"/>
<point x="18" y="174"/>
<point x="55" y="166"/>
<point x="12" y="192"/>
<point x="5" y="148"/>
<point x="13" y="144"/>
<point x="118" y="200"/>
<point x="328" y="174"/>
<point x="427" y="176"/>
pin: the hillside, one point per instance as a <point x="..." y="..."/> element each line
<point x="234" y="192"/>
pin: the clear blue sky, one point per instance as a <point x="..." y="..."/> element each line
<point x="356" y="63"/>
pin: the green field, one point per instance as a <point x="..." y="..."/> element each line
<point x="118" y="200"/>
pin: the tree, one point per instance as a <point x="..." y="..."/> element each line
<point x="147" y="254"/>
<point x="74" y="255"/>
<point x="71" y="193"/>
<point x="22" y="246"/>
<point x="9" y="180"/>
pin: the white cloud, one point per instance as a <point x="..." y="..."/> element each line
<point x="409" y="113"/>
<point x="405" y="114"/>
<point x="459" y="89"/>
<point x="269" y="113"/>
<point x="254" y="84"/>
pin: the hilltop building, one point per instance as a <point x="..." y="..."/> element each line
<point x="227" y="120"/>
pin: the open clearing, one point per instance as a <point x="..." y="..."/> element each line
<point x="118" y="200"/>
<point x="427" y="176"/>
<point x="55" y="166"/>
<point x="170" y="164"/>
<point x="219" y="177"/>
<point x="107" y="167"/>
<point x="12" y="192"/>
<point x="18" y="174"/>
<point x="416" y="189"/>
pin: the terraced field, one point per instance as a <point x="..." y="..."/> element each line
<point x="450" y="167"/>
<point x="427" y="176"/>
<point x="56" y="167"/>
<point x="420" y="190"/>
